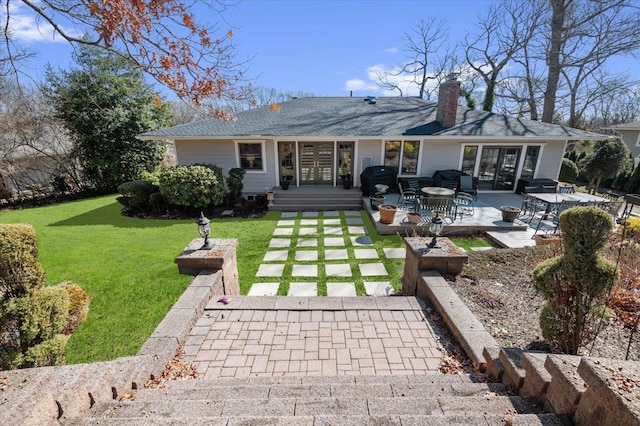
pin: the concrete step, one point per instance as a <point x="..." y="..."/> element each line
<point x="314" y="406"/>
<point x="320" y="420"/>
<point x="336" y="390"/>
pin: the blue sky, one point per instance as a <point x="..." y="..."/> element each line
<point x="324" y="47"/>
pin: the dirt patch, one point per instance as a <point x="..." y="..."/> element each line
<point x="498" y="288"/>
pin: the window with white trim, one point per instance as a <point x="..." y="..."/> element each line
<point x="403" y="155"/>
<point x="251" y="156"/>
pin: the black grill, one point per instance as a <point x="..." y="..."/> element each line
<point x="373" y="175"/>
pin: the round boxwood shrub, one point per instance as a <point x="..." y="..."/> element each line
<point x="569" y="171"/>
<point x="191" y="186"/>
<point x="135" y="194"/>
<point x="20" y="270"/>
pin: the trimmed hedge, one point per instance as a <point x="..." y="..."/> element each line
<point x="192" y="186"/>
<point x="136" y="193"/>
<point x="20" y="270"/>
<point x="569" y="171"/>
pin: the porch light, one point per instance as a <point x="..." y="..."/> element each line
<point x="204" y="228"/>
<point x="436" y="227"/>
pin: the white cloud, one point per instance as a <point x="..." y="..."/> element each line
<point x="392" y="50"/>
<point x="25" y="26"/>
<point x="357" y="84"/>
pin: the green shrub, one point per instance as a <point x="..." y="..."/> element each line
<point x="157" y="202"/>
<point x="20" y="270"/>
<point x="29" y="321"/>
<point x="234" y="182"/>
<point x="633" y="183"/>
<point x="569" y="171"/>
<point x="49" y="352"/>
<point x="135" y="194"/>
<point x="78" y="305"/>
<point x="573" y="284"/>
<point x="191" y="186"/>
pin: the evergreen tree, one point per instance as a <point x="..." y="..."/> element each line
<point x="105" y="103"/>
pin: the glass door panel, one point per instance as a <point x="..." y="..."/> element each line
<point x="507" y="167"/>
<point x="345" y="161"/>
<point x="316" y="163"/>
<point x="498" y="167"/>
<point x="287" y="164"/>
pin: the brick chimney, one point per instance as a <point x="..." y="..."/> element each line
<point x="448" y="101"/>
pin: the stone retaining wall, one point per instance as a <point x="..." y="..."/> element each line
<point x="59" y="395"/>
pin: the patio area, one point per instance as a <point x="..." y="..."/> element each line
<point x="487" y="217"/>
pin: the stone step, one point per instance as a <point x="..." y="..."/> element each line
<point x="320" y="420"/>
<point x="328" y="390"/>
<point x="301" y="380"/>
<point x="316" y="406"/>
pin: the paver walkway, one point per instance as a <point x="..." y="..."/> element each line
<point x="303" y="239"/>
<point x="276" y="336"/>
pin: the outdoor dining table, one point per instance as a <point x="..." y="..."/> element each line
<point x="578" y="197"/>
<point x="437" y="191"/>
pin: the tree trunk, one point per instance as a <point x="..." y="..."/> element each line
<point x="553" y="59"/>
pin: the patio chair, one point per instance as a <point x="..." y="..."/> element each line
<point x="466" y="186"/>
<point x="443" y="204"/>
<point x="415" y="185"/>
<point x="531" y="205"/>
<point x="449" y="184"/>
<point x="554" y="215"/>
<point x="464" y="204"/>
<point x="566" y="189"/>
<point x="408" y="198"/>
<point x="613" y="208"/>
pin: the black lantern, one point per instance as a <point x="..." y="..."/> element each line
<point x="204" y="228"/>
<point x="436" y="227"/>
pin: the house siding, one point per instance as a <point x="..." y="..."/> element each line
<point x="222" y="153"/>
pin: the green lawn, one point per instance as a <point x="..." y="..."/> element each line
<point x="466" y="243"/>
<point x="127" y="266"/>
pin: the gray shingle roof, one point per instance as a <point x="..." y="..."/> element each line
<point x="354" y="117"/>
<point x="635" y="125"/>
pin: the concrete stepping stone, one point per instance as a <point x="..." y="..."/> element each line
<point x="270" y="270"/>
<point x="307" y="255"/>
<point x="361" y="241"/>
<point x="341" y="289"/>
<point x="289" y="214"/>
<point x="333" y="241"/>
<point x="332" y="230"/>
<point x="354" y="221"/>
<point x="286" y="222"/>
<point x="307" y="222"/>
<point x="305" y="271"/>
<point x="264" y="289"/>
<point x="356" y="230"/>
<point x="372" y="269"/>
<point x="307" y="242"/>
<point x="338" y="270"/>
<point x="283" y="231"/>
<point x="331" y="213"/>
<point x="303" y="289"/>
<point x="276" y="256"/>
<point x="336" y="254"/>
<point x="365" y="253"/>
<point x="352" y="213"/>
<point x="280" y="242"/>
<point x="331" y="221"/>
<point x="307" y="231"/>
<point x="309" y="214"/>
<point x="378" y="288"/>
<point x="394" y="253"/>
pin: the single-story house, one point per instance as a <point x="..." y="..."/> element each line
<point x="630" y="133"/>
<point x="322" y="140"/>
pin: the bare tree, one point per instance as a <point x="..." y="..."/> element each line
<point x="505" y="30"/>
<point x="427" y="47"/>
<point x="34" y="147"/>
<point x="584" y="35"/>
